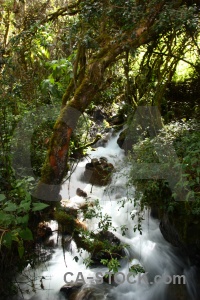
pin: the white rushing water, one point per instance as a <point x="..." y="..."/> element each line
<point x="150" y="250"/>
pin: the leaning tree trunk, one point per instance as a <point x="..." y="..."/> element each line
<point x="55" y="166"/>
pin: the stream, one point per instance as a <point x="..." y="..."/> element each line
<point x="149" y="249"/>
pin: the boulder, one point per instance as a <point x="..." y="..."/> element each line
<point x="68" y="223"/>
<point x="49" y="243"/>
<point x="70" y="290"/>
<point x="154" y="212"/>
<point x="98" y="172"/>
<point x="77" y="291"/>
<point x="86" y="294"/>
<point x="106" y="240"/>
<point x="43" y="232"/>
<point x="99" y="115"/>
<point x="66" y="241"/>
<point x="177" y="292"/>
<point x="103" y="160"/>
<point x="116" y="120"/>
<point x="129" y="137"/>
<point x="189" y="245"/>
<point x="170" y="233"/>
<point x="81" y="193"/>
<point x="95" y="162"/>
<point x="104" y="139"/>
<point x="124" y="141"/>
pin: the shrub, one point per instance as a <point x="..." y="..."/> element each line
<point x="165" y="170"/>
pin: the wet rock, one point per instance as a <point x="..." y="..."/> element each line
<point x="116" y="120"/>
<point x="129" y="137"/>
<point x="106" y="240"/>
<point x="86" y="294"/>
<point x="67" y="239"/>
<point x="70" y="290"/>
<point x="97" y="292"/>
<point x="81" y="193"/>
<point x="95" y="162"/>
<point x="103" y="160"/>
<point x="89" y="166"/>
<point x="78" y="291"/>
<point x="98" y="172"/>
<point x="49" y="243"/>
<point x="121" y="138"/>
<point x="104" y="139"/>
<point x="99" y="115"/>
<point x="43" y="232"/>
<point x="190" y="244"/>
<point x="124" y="141"/>
<point x="154" y="212"/>
<point x="110" y="237"/>
<point x="170" y="233"/>
<point x="74" y="208"/>
<point x="68" y="223"/>
<point x="177" y="292"/>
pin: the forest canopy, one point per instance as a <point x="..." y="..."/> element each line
<point x="60" y="63"/>
<point x="92" y="52"/>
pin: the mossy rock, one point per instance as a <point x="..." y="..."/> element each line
<point x="106" y="246"/>
<point x="68" y="223"/>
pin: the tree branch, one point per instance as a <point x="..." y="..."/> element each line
<point x="175" y="56"/>
<point x="63" y="11"/>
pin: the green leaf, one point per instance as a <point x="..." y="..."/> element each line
<point x="6" y="219"/>
<point x="7" y="239"/>
<point x="10" y="206"/>
<point x="18" y="220"/>
<point x="22" y="220"/>
<point x="104" y="261"/>
<point x="27" y="198"/>
<point x="39" y="206"/>
<point x="136" y="269"/>
<point x="25" y="219"/>
<point x="2" y="197"/>
<point x="19" y="183"/>
<point x="25" y="205"/>
<point x="21" y="250"/>
<point x="26" y="234"/>
<point x="15" y="237"/>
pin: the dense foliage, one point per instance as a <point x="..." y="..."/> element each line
<point x="109" y="55"/>
<point x="175" y="150"/>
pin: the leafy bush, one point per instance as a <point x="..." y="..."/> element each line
<point x="165" y="169"/>
<point x="14" y="219"/>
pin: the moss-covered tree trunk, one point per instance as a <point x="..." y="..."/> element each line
<point x="55" y="166"/>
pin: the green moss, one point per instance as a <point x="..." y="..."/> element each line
<point x="47" y="173"/>
<point x="66" y="221"/>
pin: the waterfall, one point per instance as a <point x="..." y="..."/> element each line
<point x="149" y="249"/>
